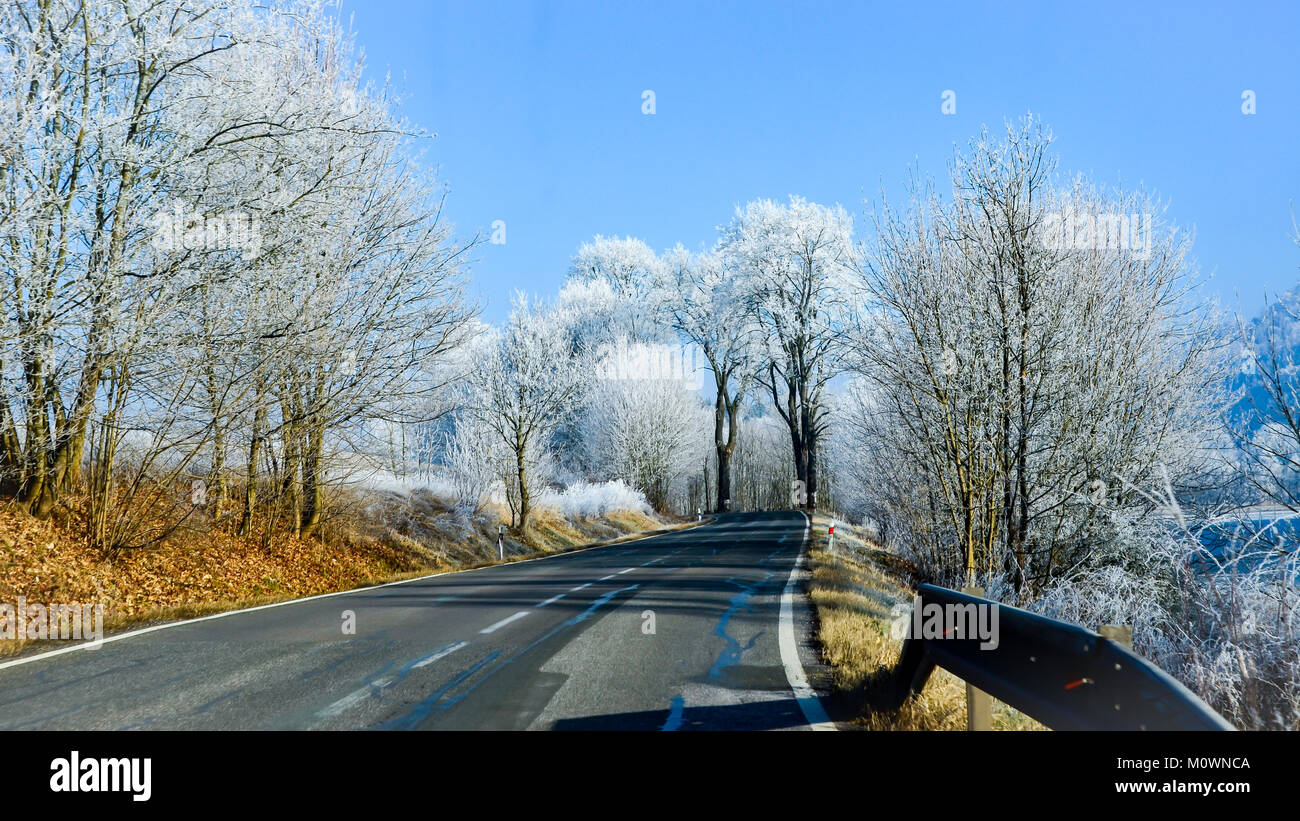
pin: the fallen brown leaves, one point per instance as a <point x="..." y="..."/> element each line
<point x="46" y="563"/>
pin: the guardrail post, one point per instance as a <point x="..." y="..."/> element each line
<point x="1118" y="633"/>
<point x="979" y="705"/>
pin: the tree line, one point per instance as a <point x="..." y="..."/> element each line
<point x="218" y="261"/>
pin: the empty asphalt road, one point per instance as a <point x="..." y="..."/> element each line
<point x="682" y="631"/>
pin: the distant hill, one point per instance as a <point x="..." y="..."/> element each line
<point x="1282" y="316"/>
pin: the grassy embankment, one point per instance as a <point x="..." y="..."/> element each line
<point x="853" y="592"/>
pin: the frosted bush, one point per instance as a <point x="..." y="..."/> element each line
<point x="649" y="432"/>
<point x="475" y="460"/>
<point x="1230" y="635"/>
<point x="1112" y="595"/>
<point x="595" y="499"/>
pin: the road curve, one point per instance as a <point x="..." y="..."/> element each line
<point x="675" y="632"/>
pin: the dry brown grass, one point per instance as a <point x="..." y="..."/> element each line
<point x="853" y="591"/>
<point x="551" y="531"/>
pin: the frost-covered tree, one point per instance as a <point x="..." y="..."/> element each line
<point x="796" y="260"/>
<point x="649" y="433"/>
<point x="628" y="269"/>
<point x="1027" y="371"/>
<point x="96" y="101"/>
<point x="476" y="460"/>
<point x="640" y="421"/>
<point x="1266" y="429"/>
<point x="528" y="383"/>
<point x="217" y="254"/>
<point x="706" y="303"/>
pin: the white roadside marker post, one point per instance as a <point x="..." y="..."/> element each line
<point x="501" y="543"/>
<point x="830" y="539"/>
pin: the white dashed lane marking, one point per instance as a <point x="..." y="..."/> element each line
<point x="504" y="622"/>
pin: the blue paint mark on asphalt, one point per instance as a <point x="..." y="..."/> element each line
<point x="218" y="700"/>
<point x="59" y="714"/>
<point x="674" y="715"/>
<point x="731" y="654"/>
<point x="415" y="662"/>
<point x="411" y="720"/>
<point x="346" y="658"/>
<point x="422" y="710"/>
<point x="604" y="599"/>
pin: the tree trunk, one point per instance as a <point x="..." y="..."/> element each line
<point x="11" y="456"/>
<point x="250" y="473"/>
<point x="811" y="471"/>
<point x="724" y="442"/>
<point x="525" y="500"/>
<point x="218" y="477"/>
<point x="37" y="462"/>
<point x="313" y="492"/>
<point x="724" y="477"/>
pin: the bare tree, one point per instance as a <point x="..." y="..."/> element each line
<point x="704" y="301"/>
<point x="796" y="260"/>
<point x="527" y="384"/>
<point x="646" y="432"/>
<point x="210" y="234"/>
<point x="1027" y="367"/>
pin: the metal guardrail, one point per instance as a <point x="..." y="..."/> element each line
<point x="1063" y="675"/>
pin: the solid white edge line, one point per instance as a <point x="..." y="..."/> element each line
<point x="95" y="645"/>
<point x="809" y="703"/>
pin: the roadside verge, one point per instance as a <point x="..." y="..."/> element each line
<point x="854" y="593"/>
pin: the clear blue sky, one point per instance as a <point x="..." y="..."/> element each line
<point x="537" y="108"/>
